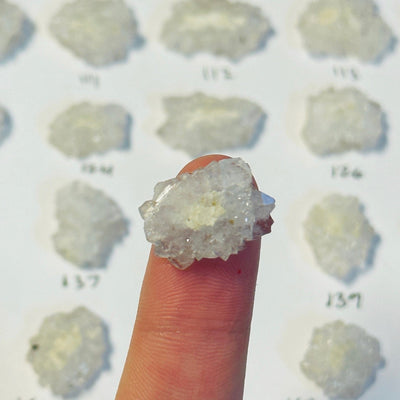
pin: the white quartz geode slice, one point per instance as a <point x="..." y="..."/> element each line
<point x="200" y="124"/>
<point x="69" y="351"/>
<point x="345" y="28"/>
<point x="85" y="129"/>
<point x="5" y="124"/>
<point x="220" y="27"/>
<point x="101" y="32"/>
<point x="342" y="359"/>
<point x="15" y="29"/>
<point x="342" y="120"/>
<point x="340" y="235"/>
<point x="89" y="225"/>
<point x="209" y="213"/>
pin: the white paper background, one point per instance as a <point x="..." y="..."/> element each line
<point x="291" y="291"/>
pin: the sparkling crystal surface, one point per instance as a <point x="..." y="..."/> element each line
<point x="220" y="27"/>
<point x="201" y="124"/>
<point x="343" y="28"/>
<point x="85" y="128"/>
<point x="5" y="124"/>
<point x="342" y="359"/>
<point x="89" y="225"/>
<point x="340" y="235"/>
<point x="209" y="213"/>
<point x="99" y="31"/>
<point x="342" y="120"/>
<point x="15" y="29"/>
<point x="69" y="351"/>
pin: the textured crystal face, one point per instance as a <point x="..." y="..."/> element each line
<point x="15" y="29"/>
<point x="99" y="31"/>
<point x="342" y="359"/>
<point x="343" y="28"/>
<point x="5" y="124"/>
<point x="220" y="27"/>
<point x="209" y="213"/>
<point x="85" y="129"/>
<point x="340" y="235"/>
<point x="200" y="124"/>
<point x="89" y="225"/>
<point x="342" y="120"/>
<point x="69" y="351"/>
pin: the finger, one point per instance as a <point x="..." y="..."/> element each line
<point x="192" y="327"/>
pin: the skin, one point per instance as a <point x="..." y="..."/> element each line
<point x="192" y="327"/>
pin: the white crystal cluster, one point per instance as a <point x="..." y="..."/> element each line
<point x="201" y="124"/>
<point x="15" y="29"/>
<point x="340" y="235"/>
<point x="89" y="225"/>
<point x="5" y="124"/>
<point x="342" y="120"/>
<point x="85" y="129"/>
<point x="101" y="32"/>
<point x="345" y="28"/>
<point x="209" y="213"/>
<point x="220" y="27"/>
<point x="342" y="359"/>
<point x="69" y="351"/>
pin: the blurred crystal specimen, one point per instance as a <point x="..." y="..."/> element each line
<point x="101" y="32"/>
<point x="89" y="224"/>
<point x="85" y="129"/>
<point x="342" y="120"/>
<point x="201" y="124"/>
<point x="345" y="28"/>
<point x="209" y="213"/>
<point x="340" y="235"/>
<point x="69" y="351"/>
<point x="220" y="27"/>
<point x="5" y="124"/>
<point x="15" y="29"/>
<point x="342" y="359"/>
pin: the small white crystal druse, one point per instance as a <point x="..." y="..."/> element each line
<point x="5" y="124"/>
<point x="345" y="28"/>
<point x="85" y="129"/>
<point x="69" y="351"/>
<point x="340" y="235"/>
<point x="209" y="213"/>
<point x="342" y="359"/>
<point x="15" y="29"/>
<point x="342" y="120"/>
<point x="201" y="124"/>
<point x="99" y="31"/>
<point x="89" y="225"/>
<point x="220" y="27"/>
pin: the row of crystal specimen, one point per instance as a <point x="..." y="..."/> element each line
<point x="89" y="225"/>
<point x="15" y="30"/>
<point x="342" y="120"/>
<point x="342" y="359"/>
<point x="210" y="213"/>
<point x="340" y="236"/>
<point x="70" y="351"/>
<point x="5" y="124"/>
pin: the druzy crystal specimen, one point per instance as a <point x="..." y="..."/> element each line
<point x="69" y="351"/>
<point x="340" y="235"/>
<point x="343" y="28"/>
<point x="85" y="128"/>
<point x="342" y="120"/>
<point x="209" y="213"/>
<point x="201" y="124"/>
<point x="89" y="224"/>
<point x="220" y="27"/>
<point x="15" y="29"/>
<point x="5" y="124"/>
<point x="342" y="359"/>
<point x="99" y="31"/>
